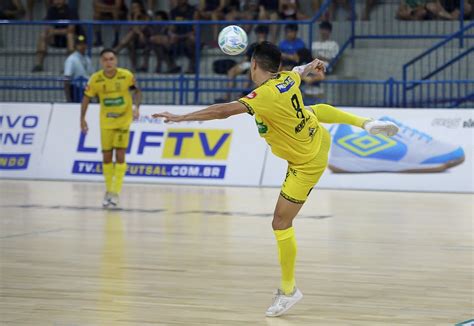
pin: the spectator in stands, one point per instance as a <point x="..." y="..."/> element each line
<point x="289" y="10"/>
<point x="151" y="5"/>
<point x="182" y="38"/>
<point x="291" y="44"/>
<point x="160" y="44"/>
<point x="137" y="37"/>
<point x="448" y="9"/>
<point x="336" y="4"/>
<point x="211" y="10"/>
<point x="77" y="65"/>
<point x="243" y="67"/>
<point x="11" y="9"/>
<point x="232" y="10"/>
<point x="108" y="10"/>
<point x="31" y="7"/>
<point x="369" y="6"/>
<point x="268" y="10"/>
<point x="412" y="10"/>
<point x="60" y="36"/>
<point x="325" y="49"/>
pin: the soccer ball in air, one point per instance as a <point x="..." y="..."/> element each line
<point x="233" y="40"/>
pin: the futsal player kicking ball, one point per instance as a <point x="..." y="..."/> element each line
<point x="295" y="135"/>
<point x="113" y="87"/>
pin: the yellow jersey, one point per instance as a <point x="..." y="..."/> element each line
<point x="292" y="132"/>
<point x="114" y="96"/>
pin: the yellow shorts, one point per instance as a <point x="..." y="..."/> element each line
<point x="114" y="138"/>
<point x="300" y="179"/>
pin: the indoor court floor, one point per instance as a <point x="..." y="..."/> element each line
<point x="195" y="255"/>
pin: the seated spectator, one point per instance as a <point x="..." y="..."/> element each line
<point x="137" y="37"/>
<point x="242" y="10"/>
<point x="108" y="10"/>
<point x="77" y="65"/>
<point x="243" y="67"/>
<point x="31" y="7"/>
<point x="412" y="10"/>
<point x="60" y="36"/>
<point x="11" y="9"/>
<point x="325" y="49"/>
<point x="150" y="8"/>
<point x="182" y="38"/>
<point x="448" y="9"/>
<point x="231" y="10"/>
<point x="336" y="4"/>
<point x="160" y="43"/>
<point x="291" y="44"/>
<point x="289" y="10"/>
<point x="369" y="6"/>
<point x="211" y="10"/>
<point x="268" y="10"/>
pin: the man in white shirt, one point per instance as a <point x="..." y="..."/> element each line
<point x="77" y="65"/>
<point x="325" y="49"/>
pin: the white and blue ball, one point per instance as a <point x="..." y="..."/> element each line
<point x="233" y="40"/>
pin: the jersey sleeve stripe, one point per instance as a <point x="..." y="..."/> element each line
<point x="250" y="110"/>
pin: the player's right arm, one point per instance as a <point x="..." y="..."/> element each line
<point x="84" y="106"/>
<point x="216" y="111"/>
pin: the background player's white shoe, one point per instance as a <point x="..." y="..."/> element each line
<point x="106" y="200"/>
<point x="114" y="200"/>
<point x="386" y="128"/>
<point x="281" y="302"/>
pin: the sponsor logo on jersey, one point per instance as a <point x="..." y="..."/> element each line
<point x="286" y="85"/>
<point x="118" y="101"/>
<point x="251" y="95"/>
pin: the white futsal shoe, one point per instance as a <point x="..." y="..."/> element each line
<point x="386" y="128"/>
<point x="106" y="201"/>
<point x="114" y="200"/>
<point x="282" y="303"/>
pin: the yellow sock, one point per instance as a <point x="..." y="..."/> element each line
<point x="120" y="169"/>
<point x="287" y="256"/>
<point x="108" y="171"/>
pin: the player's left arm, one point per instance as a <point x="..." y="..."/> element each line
<point x="215" y="111"/>
<point x="316" y="67"/>
<point x="136" y="98"/>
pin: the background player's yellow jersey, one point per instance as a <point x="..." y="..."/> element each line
<point x="115" y="99"/>
<point x="292" y="132"/>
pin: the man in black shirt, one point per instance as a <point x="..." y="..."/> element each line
<point x="182" y="38"/>
<point x="60" y="36"/>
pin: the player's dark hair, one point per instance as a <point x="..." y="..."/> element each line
<point x="267" y="56"/>
<point x="162" y="14"/>
<point x="108" y="50"/>
<point x="261" y="29"/>
<point x="291" y="27"/>
<point x="326" y="25"/>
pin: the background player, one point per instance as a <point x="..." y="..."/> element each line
<point x="295" y="135"/>
<point x="113" y="87"/>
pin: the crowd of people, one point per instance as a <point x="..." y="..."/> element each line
<point x="168" y="42"/>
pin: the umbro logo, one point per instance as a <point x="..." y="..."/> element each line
<point x="364" y="144"/>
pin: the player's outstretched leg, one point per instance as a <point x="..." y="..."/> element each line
<point x="287" y="295"/>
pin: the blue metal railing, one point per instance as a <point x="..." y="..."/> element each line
<point x="180" y="91"/>
<point x="414" y="67"/>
